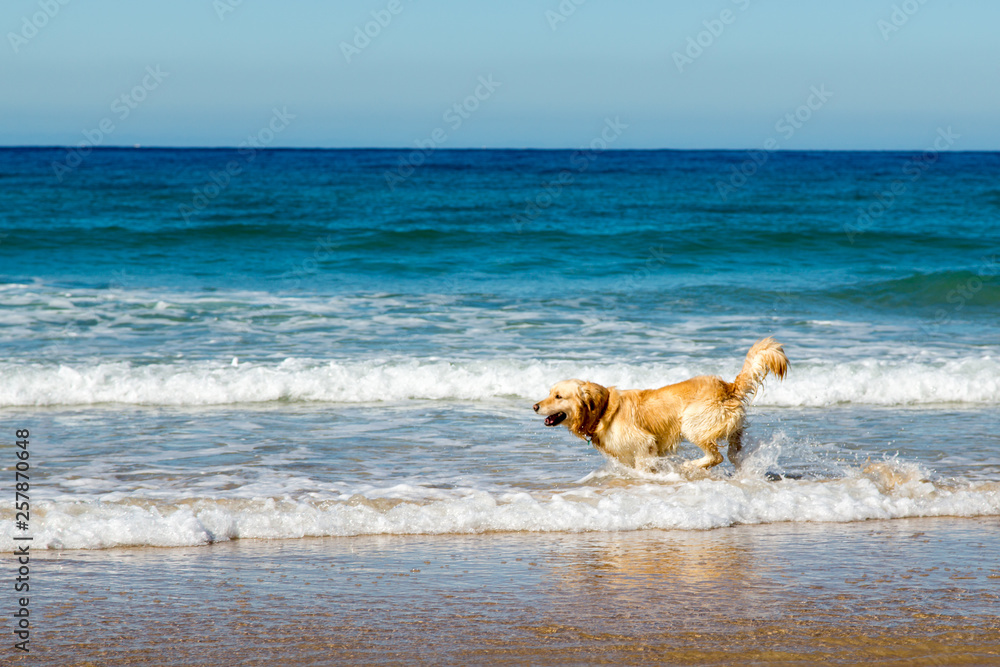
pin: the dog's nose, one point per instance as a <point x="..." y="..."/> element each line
<point x="536" y="407"/>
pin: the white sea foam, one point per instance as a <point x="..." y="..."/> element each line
<point x="818" y="382"/>
<point x="885" y="490"/>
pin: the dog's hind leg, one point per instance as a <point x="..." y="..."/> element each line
<point x="711" y="458"/>
<point x="735" y="446"/>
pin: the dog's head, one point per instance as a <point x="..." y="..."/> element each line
<point x="580" y="404"/>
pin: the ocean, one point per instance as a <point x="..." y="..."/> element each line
<point x="222" y="353"/>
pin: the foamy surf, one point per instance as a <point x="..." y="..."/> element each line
<point x="886" y="490"/>
<point x="974" y="380"/>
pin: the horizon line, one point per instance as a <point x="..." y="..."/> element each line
<point x="485" y="148"/>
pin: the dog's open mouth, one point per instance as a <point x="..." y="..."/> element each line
<point x="556" y="419"/>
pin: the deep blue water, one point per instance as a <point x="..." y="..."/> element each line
<point x="648" y="234"/>
<point x="509" y="222"/>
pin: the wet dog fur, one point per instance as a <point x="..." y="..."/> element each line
<point x="635" y="426"/>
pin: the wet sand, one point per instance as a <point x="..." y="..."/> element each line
<point x="904" y="592"/>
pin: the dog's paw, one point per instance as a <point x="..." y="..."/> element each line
<point x="691" y="470"/>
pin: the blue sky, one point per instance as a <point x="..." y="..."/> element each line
<point x="721" y="74"/>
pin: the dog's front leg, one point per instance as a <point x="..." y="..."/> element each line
<point x="646" y="454"/>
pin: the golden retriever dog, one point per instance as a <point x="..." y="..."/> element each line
<point x="636" y="425"/>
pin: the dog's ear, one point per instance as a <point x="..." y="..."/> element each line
<point x="594" y="397"/>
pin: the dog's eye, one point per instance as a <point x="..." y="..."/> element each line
<point x="558" y="396"/>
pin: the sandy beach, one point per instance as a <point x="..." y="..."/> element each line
<point x="904" y="592"/>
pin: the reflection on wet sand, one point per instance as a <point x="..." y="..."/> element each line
<point x="777" y="594"/>
<point x="921" y="591"/>
<point x="678" y="580"/>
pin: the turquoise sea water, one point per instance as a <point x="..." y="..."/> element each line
<point x="211" y="344"/>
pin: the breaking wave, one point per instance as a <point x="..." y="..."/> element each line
<point x="974" y="380"/>
<point x="887" y="490"/>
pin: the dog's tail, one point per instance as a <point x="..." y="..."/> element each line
<point x="766" y="356"/>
